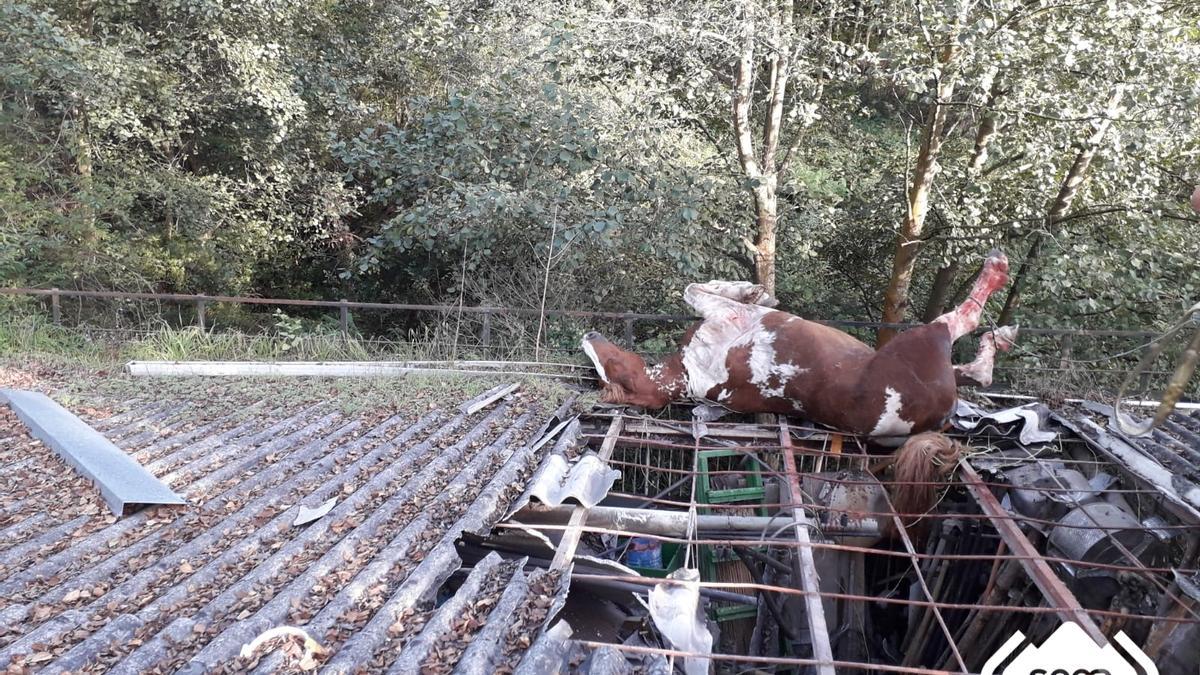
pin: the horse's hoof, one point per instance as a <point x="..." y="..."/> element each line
<point x="1006" y="337"/>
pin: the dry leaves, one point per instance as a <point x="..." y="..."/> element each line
<point x="251" y="539"/>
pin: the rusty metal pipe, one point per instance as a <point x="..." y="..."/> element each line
<point x="675" y="523"/>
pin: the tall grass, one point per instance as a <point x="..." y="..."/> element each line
<point x="192" y="344"/>
<point x="31" y="335"/>
<point x="26" y="335"/>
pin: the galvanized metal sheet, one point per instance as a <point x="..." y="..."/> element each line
<point x="120" y="479"/>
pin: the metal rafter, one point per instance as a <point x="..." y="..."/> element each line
<point x="809" y="582"/>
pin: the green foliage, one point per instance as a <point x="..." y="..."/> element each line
<point x="435" y="151"/>
<point x="162" y="145"/>
<point x="182" y="344"/>
<point x="26" y="334"/>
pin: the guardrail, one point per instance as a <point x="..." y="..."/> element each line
<point x="344" y="308"/>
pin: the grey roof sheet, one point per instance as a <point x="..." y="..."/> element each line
<point x="1168" y="459"/>
<point x="565" y="475"/>
<point x="182" y="589"/>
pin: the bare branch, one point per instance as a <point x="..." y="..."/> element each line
<point x="780" y="65"/>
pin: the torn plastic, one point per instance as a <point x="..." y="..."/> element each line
<point x="1188" y="584"/>
<point x="969" y="417"/>
<point x="704" y="413"/>
<point x="676" y="611"/>
<point x="307" y="515"/>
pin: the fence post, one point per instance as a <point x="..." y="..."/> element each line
<point x="55" y="306"/>
<point x="1067" y="343"/>
<point x="1144" y="380"/>
<point x="486" y="335"/>
<point x="344" y="317"/>
<point x="200" y="318"/>
<point x="629" y="333"/>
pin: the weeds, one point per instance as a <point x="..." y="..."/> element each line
<point x="192" y="344"/>
<point x="33" y="335"/>
<point x="28" y="335"/>
<point x="82" y="369"/>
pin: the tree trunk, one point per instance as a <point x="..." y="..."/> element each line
<point x="81" y="126"/>
<point x="1067" y="192"/>
<point x="942" y="281"/>
<point x="1018" y="281"/>
<point x="896" y="301"/>
<point x="764" y="248"/>
<point x="762" y="169"/>
<point x="940" y="291"/>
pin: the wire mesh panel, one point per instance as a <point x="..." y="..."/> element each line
<point x="1018" y="537"/>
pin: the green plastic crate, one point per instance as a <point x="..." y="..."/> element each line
<point x="706" y="494"/>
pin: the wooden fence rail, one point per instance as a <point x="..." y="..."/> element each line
<point x="344" y="306"/>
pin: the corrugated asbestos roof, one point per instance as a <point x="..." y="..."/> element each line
<point x="583" y="479"/>
<point x="183" y="589"/>
<point x="1167" y="459"/>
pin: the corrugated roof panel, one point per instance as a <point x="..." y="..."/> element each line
<point x="184" y="590"/>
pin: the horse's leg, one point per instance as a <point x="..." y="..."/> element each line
<point x="965" y="318"/>
<point x="979" y="371"/>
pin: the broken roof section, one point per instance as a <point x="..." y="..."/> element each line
<point x="405" y="570"/>
<point x="1038" y="525"/>
<point x="568" y="474"/>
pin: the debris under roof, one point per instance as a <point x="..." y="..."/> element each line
<point x="1038" y="525"/>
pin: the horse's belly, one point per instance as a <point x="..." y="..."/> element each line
<point x="749" y="371"/>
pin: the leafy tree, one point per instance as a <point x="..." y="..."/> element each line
<point x="167" y="144"/>
<point x="858" y="156"/>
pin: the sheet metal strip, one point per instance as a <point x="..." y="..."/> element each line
<point x="120" y="479"/>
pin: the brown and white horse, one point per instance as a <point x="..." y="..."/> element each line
<point x="751" y="358"/>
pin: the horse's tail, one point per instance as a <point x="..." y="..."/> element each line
<point x="922" y="463"/>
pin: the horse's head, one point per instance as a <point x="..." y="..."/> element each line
<point x="627" y="380"/>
